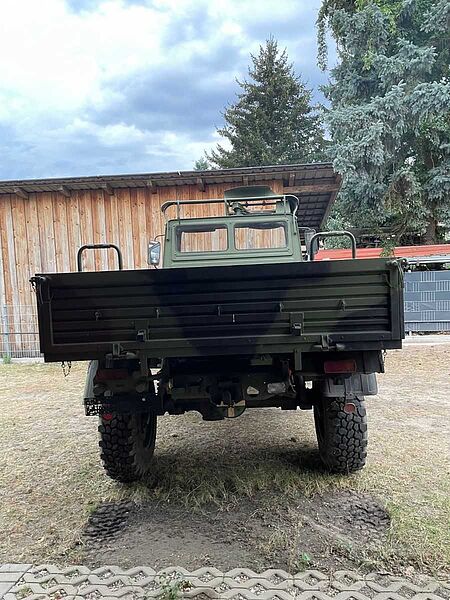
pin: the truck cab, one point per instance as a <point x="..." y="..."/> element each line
<point x="260" y="227"/>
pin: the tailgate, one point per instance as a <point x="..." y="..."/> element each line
<point x="221" y="311"/>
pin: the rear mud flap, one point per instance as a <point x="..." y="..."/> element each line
<point x="357" y="385"/>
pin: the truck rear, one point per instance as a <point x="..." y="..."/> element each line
<point x="240" y="316"/>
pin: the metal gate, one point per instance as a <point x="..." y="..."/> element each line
<point x="427" y="301"/>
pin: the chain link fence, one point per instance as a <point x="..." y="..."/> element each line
<point x="19" y="332"/>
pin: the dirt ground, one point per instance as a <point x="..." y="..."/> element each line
<point x="248" y="492"/>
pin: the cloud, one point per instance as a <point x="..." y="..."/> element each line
<point x="112" y="86"/>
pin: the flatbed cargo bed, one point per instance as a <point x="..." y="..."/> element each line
<point x="206" y="311"/>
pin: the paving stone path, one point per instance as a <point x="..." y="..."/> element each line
<point x="23" y="581"/>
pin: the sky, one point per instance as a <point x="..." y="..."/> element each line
<point x="99" y="87"/>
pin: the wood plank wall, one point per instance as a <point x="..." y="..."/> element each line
<point x="43" y="233"/>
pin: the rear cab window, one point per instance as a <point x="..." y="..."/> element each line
<point x="201" y="238"/>
<point x="260" y="235"/>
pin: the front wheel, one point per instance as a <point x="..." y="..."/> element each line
<point x="341" y="428"/>
<point x="127" y="443"/>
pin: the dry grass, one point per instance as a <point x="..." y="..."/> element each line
<point x="50" y="476"/>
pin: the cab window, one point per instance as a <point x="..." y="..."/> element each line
<point x="260" y="236"/>
<point x="201" y="238"/>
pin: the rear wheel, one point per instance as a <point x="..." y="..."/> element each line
<point x="127" y="443"/>
<point x="341" y="428"/>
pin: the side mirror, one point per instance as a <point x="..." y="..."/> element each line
<point x="154" y="253"/>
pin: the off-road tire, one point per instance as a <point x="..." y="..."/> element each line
<point x="342" y="436"/>
<point x="127" y="443"/>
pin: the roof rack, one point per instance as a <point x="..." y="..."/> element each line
<point x="243" y="196"/>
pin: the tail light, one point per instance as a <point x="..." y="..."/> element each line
<point x="339" y="366"/>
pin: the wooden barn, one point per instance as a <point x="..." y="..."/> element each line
<point x="43" y="222"/>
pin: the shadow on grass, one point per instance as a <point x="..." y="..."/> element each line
<point x="206" y="475"/>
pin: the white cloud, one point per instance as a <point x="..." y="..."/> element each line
<point x="108" y="135"/>
<point x="58" y="67"/>
<point x="53" y="58"/>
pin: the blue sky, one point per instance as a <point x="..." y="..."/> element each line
<point x="90" y="87"/>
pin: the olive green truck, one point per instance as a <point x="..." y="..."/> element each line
<point x="240" y="316"/>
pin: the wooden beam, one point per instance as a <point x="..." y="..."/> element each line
<point x="108" y="189"/>
<point x="21" y="192"/>
<point x="152" y="185"/>
<point x="201" y="184"/>
<point x="322" y="188"/>
<point x="332" y="199"/>
<point x="291" y="179"/>
<point x="245" y="179"/>
<point x="64" y="191"/>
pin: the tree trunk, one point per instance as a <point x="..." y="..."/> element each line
<point x="430" y="236"/>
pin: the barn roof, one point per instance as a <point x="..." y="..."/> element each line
<point x="315" y="184"/>
<point x="414" y="254"/>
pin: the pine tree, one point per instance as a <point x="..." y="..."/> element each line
<point x="272" y="121"/>
<point x="202" y="164"/>
<point x="389" y="117"/>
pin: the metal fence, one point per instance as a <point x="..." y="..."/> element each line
<point x="427" y="308"/>
<point x="427" y="301"/>
<point x="19" y="336"/>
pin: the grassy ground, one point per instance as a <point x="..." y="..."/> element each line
<point x="51" y="479"/>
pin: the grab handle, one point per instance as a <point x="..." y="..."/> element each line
<point x="325" y="234"/>
<point x="97" y="247"/>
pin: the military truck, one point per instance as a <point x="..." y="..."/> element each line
<point x="241" y="315"/>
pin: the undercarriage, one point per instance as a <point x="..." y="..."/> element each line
<point x="129" y="398"/>
<point x="222" y="387"/>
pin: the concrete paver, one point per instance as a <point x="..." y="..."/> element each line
<point x="80" y="583"/>
<point x="14" y="568"/>
<point x="10" y="575"/>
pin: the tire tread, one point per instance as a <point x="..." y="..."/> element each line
<point x="122" y="459"/>
<point x="343" y="445"/>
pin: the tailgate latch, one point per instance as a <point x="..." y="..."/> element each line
<point x="296" y="322"/>
<point x="326" y="344"/>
